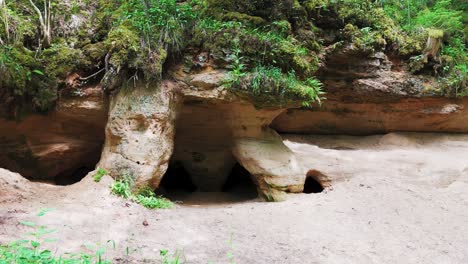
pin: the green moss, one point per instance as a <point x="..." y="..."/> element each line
<point x="417" y="63"/>
<point x="244" y="18"/>
<point x="23" y="77"/>
<point x="282" y="27"/>
<point x="219" y="7"/>
<point x="364" y="39"/>
<point x="436" y="33"/>
<point x="123" y="44"/>
<point x="413" y="44"/>
<point x="62" y="60"/>
<point x="96" y="51"/>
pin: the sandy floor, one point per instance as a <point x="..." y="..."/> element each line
<point x="398" y="198"/>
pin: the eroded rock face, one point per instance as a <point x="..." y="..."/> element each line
<point x="140" y="133"/>
<point x="210" y="140"/>
<point x="369" y="95"/>
<point x="45" y="146"/>
<point x="272" y="164"/>
<point x="206" y="131"/>
<point x="411" y="115"/>
<point x="193" y="121"/>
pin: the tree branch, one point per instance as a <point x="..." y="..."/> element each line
<point x="92" y="75"/>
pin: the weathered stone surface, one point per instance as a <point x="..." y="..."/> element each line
<point x="411" y="115"/>
<point x="272" y="164"/>
<point x="208" y="80"/>
<point x="371" y="94"/>
<point x="43" y="146"/>
<point x="206" y="132"/>
<point x="195" y="122"/>
<point x="140" y="133"/>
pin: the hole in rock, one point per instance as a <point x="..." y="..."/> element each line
<point x="177" y="185"/>
<point x="73" y="176"/>
<point x="239" y="182"/>
<point x="311" y="185"/>
<point x="176" y="179"/>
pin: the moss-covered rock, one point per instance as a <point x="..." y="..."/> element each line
<point x="244" y="18"/>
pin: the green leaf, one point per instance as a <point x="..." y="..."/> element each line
<point x="35" y="244"/>
<point x="44" y="211"/>
<point x="26" y="223"/>
<point x="38" y="72"/>
<point x="46" y="254"/>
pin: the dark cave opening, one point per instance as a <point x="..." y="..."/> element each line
<point x="176" y="179"/>
<point x="311" y="185"/>
<point x="240" y="182"/>
<point x="177" y="185"/>
<point x="72" y="176"/>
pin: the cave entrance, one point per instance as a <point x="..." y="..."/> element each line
<point x="239" y="183"/>
<point x="312" y="184"/>
<point x="177" y="185"/>
<point x="72" y="176"/>
<point x="176" y="180"/>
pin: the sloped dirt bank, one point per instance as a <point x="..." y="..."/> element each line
<point x="393" y="198"/>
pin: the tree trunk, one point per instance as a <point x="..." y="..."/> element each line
<point x="45" y="21"/>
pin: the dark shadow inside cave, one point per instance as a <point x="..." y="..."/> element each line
<point x="239" y="182"/>
<point x="176" y="179"/>
<point x="311" y="185"/>
<point x="72" y="176"/>
<point x="177" y="185"/>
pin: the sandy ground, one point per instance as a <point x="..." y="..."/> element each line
<point x="398" y="198"/>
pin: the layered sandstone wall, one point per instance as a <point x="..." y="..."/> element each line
<point x="193" y="120"/>
<point x="45" y="146"/>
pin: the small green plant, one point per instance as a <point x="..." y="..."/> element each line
<point x="166" y="258"/>
<point x="238" y="66"/>
<point x="144" y="196"/>
<point x="154" y="202"/>
<point x="99" y="174"/>
<point x="122" y="188"/>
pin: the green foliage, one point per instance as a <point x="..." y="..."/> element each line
<point x="62" y="60"/>
<point x="166" y="257"/>
<point x="123" y="44"/>
<point x="154" y="202"/>
<point x="444" y="20"/>
<point x="270" y="84"/>
<point x="99" y="174"/>
<point x="122" y="187"/>
<point x="265" y="45"/>
<point x="456" y="82"/>
<point x="163" y="21"/>
<point x="134" y="38"/>
<point x="144" y="196"/>
<point x="440" y="16"/>
<point x="365" y="38"/>
<point x="20" y="70"/>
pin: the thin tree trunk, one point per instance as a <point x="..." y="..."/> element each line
<point x="4" y="17"/>
<point x="44" y="20"/>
